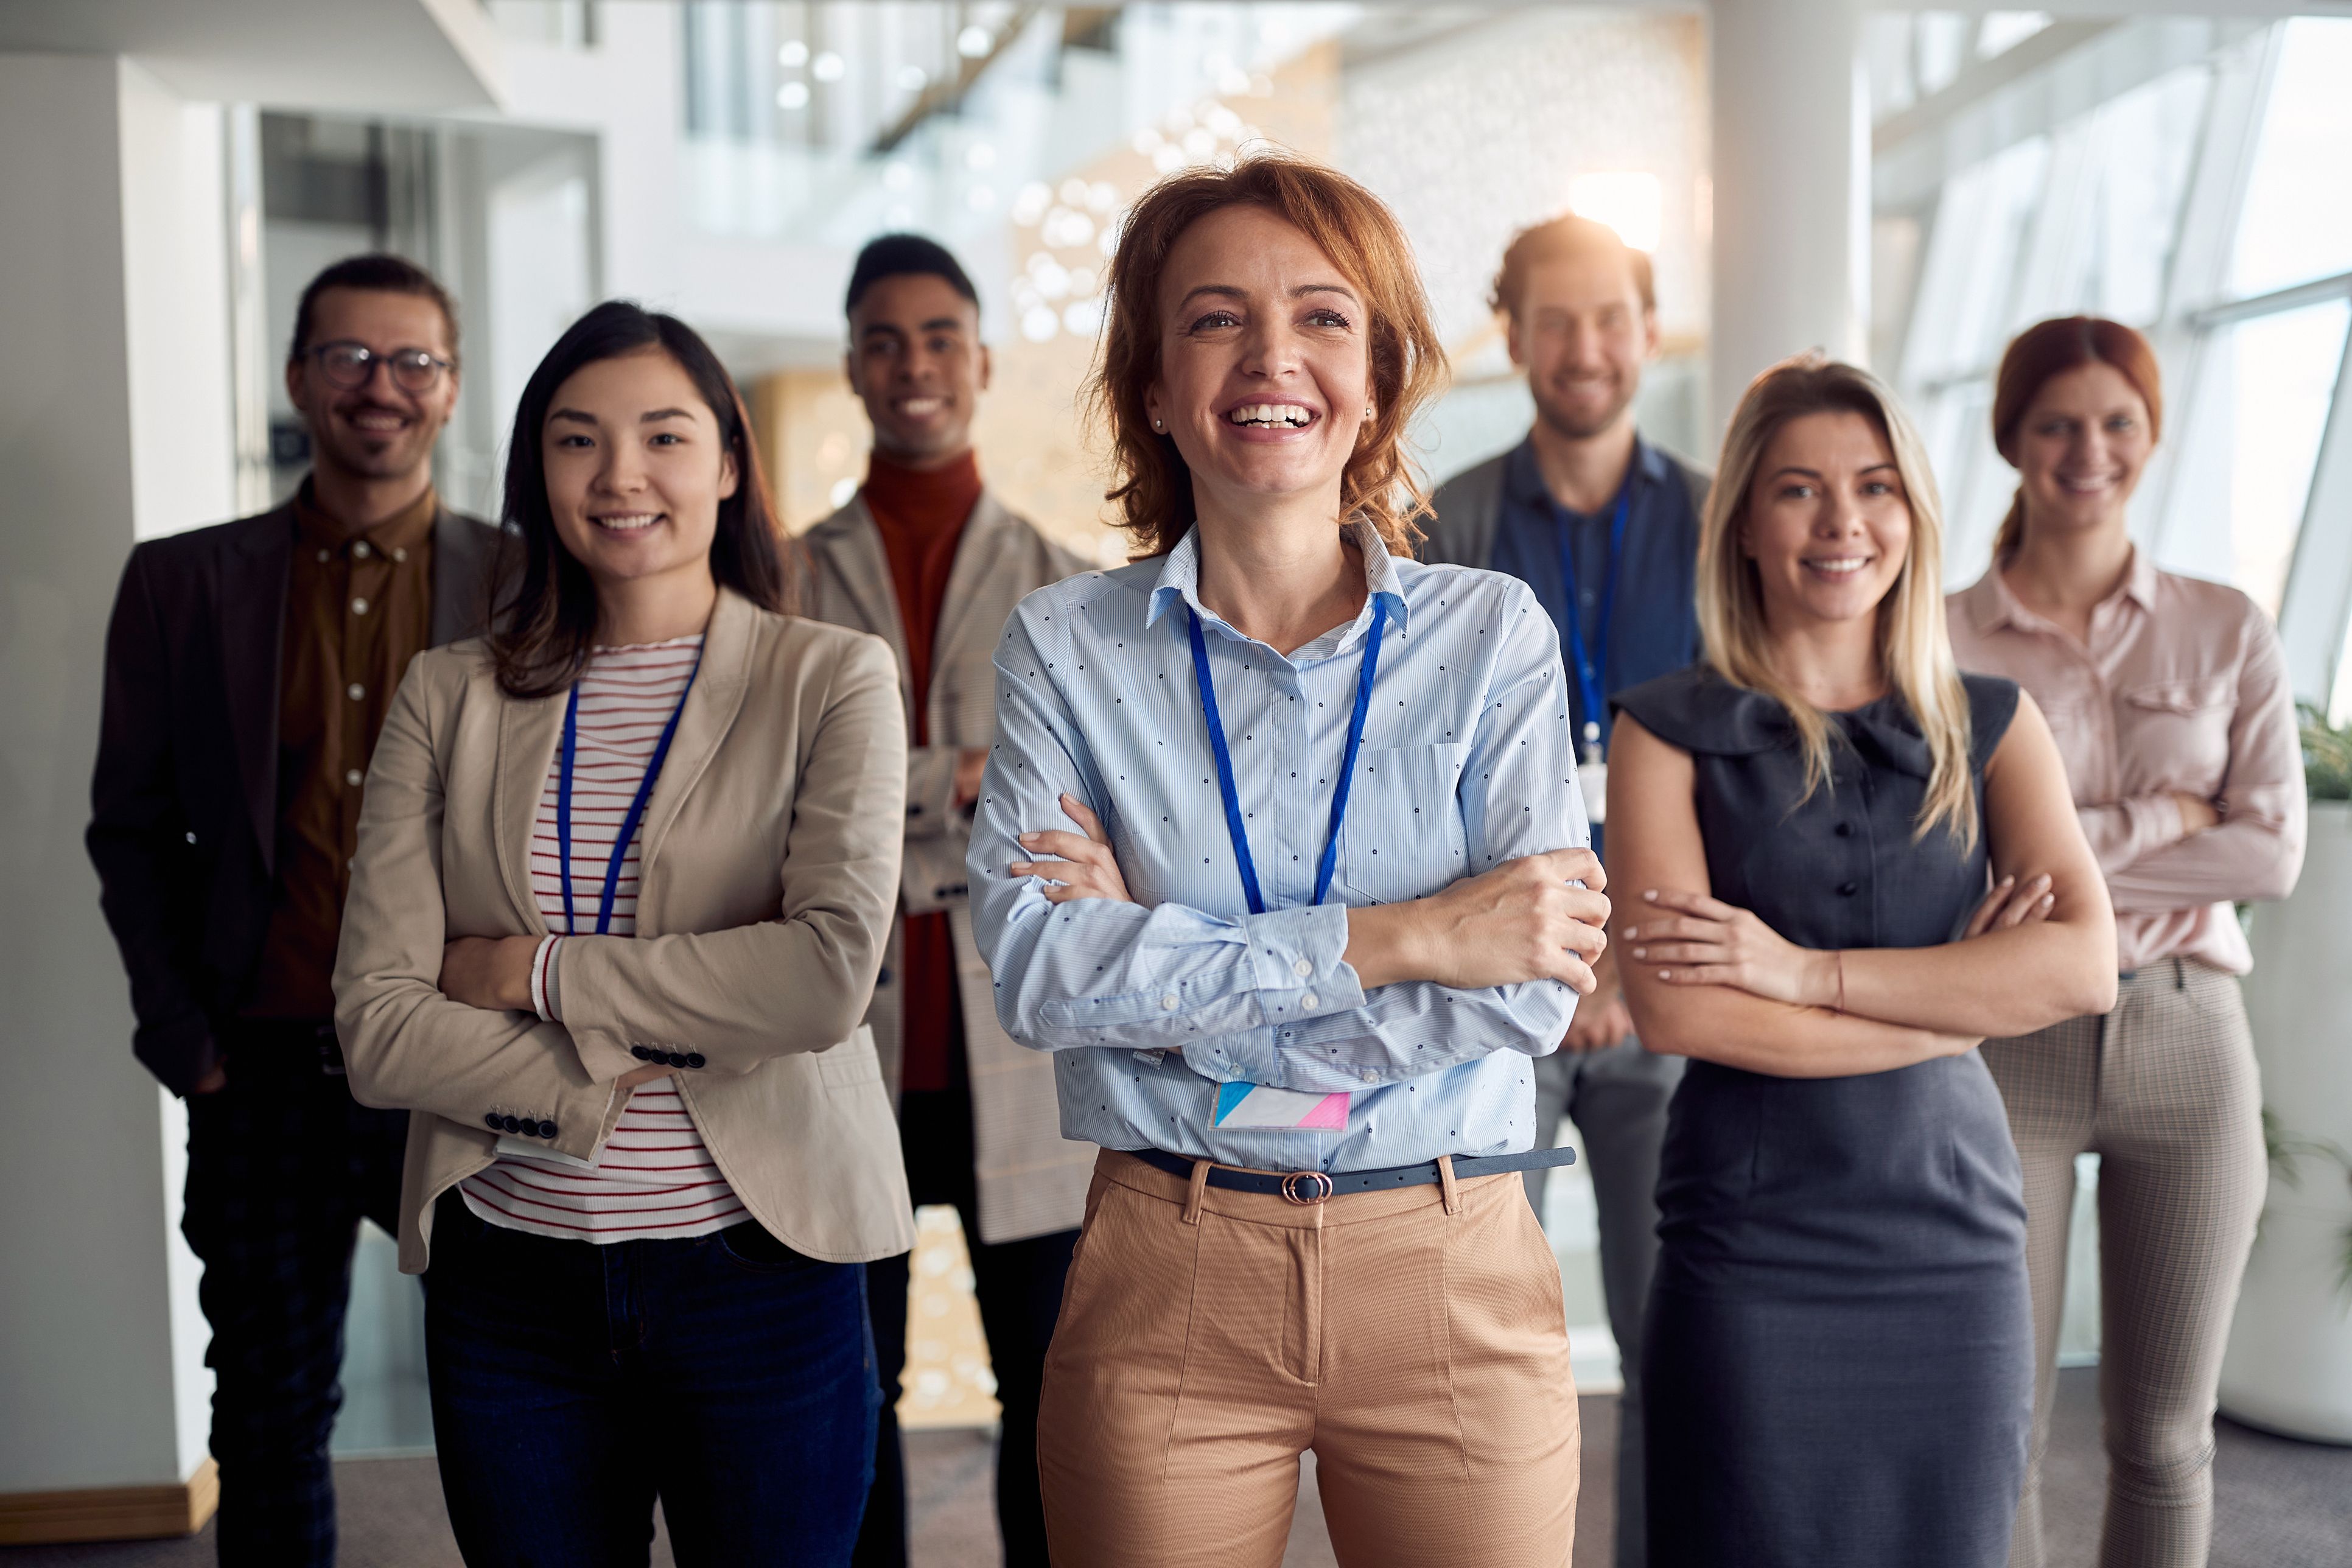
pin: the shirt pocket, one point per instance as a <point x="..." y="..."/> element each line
<point x="1403" y="837"/>
<point x="2179" y="733"/>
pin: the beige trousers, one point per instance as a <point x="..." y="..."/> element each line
<point x="1415" y="1340"/>
<point x="2164" y="1090"/>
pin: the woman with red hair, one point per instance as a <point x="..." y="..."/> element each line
<point x="2169" y="700"/>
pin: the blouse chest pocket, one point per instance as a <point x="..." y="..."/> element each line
<point x="2177" y="733"/>
<point x="1403" y="835"/>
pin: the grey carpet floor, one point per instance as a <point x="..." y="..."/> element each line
<point x="2277" y="1504"/>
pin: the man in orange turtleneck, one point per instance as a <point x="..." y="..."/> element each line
<point x="924" y="558"/>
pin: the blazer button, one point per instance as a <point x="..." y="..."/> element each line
<point x="1844" y="830"/>
<point x="491" y="1121"/>
<point x="915" y="809"/>
<point x="641" y="1053"/>
<point x="510" y="1125"/>
<point x="547" y="1130"/>
<point x="1848" y="889"/>
<point x="882" y="978"/>
<point x="694" y="1058"/>
<point x="675" y="1058"/>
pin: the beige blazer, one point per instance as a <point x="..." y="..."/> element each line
<point x="770" y="854"/>
<point x="1032" y="1180"/>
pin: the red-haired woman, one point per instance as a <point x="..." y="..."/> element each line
<point x="1273" y="853"/>
<point x="2169" y="701"/>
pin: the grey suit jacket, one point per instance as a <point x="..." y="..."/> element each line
<point x="1032" y="1180"/>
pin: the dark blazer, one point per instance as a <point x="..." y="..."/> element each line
<point x="183" y="826"/>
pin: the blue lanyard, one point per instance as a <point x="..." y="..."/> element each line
<point x="1331" y="859"/>
<point x="628" y="824"/>
<point x="1592" y="660"/>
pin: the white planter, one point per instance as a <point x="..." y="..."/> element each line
<point x="2289" y="1363"/>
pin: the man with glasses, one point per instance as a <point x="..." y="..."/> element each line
<point x="248" y="669"/>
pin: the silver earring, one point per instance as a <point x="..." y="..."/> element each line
<point x="1157" y="426"/>
<point x="1368" y="411"/>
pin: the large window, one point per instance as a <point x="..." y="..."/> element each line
<point x="2186" y="178"/>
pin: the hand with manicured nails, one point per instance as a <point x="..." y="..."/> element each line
<point x="1699" y="941"/>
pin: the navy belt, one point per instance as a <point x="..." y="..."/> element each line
<point x="1304" y="1187"/>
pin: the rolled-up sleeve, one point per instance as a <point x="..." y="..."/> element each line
<point x="1268" y="998"/>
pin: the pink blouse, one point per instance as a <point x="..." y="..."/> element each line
<point x="2181" y="686"/>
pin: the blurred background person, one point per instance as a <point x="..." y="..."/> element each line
<point x="924" y="558"/>
<point x="2169" y="700"/>
<point x="249" y="670"/>
<point x="1840" y="1341"/>
<point x="1345" y="804"/>
<point x="1604" y="527"/>
<point x="625" y="878"/>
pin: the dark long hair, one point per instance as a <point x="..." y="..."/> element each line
<point x="546" y="616"/>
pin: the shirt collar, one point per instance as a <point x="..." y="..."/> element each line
<point x="1180" y="578"/>
<point x="403" y="530"/>
<point x="1523" y="476"/>
<point x="1991" y="605"/>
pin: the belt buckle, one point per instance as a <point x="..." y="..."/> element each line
<point x="1291" y="1191"/>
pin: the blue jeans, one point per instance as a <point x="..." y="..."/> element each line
<point x="573" y="1383"/>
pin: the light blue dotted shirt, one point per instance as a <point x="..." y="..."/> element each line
<point x="1468" y="760"/>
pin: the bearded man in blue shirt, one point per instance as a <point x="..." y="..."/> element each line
<point x="1603" y="527"/>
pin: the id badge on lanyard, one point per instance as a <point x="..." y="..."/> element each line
<point x="1590" y="660"/>
<point x="1252" y="1105"/>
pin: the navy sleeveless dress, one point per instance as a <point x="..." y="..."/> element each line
<point x="1839" y="1348"/>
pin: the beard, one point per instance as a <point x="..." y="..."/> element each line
<point x="369" y="454"/>
<point x="1582" y="420"/>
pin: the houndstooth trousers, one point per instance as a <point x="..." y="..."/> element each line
<point x="2164" y="1090"/>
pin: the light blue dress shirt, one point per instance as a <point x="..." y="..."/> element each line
<point x="1468" y="760"/>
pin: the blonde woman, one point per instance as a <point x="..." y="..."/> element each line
<point x="1840" y="1345"/>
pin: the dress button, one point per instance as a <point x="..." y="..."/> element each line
<point x="353" y="777"/>
<point x="641" y="1053"/>
<point x="547" y="1130"/>
<point x="1309" y="1000"/>
<point x="1848" y="889"/>
<point x="1167" y="1003"/>
<point x="694" y="1059"/>
<point x="1302" y="969"/>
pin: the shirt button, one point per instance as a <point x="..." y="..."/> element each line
<point x="1844" y="830"/>
<point x="1302" y="969"/>
<point x="323" y="556"/>
<point x="398" y="553"/>
<point x="355" y="691"/>
<point x="352" y="776"/>
<point x="1309" y="1000"/>
<point x="1167" y="1003"/>
<point x="362" y="550"/>
<point x="359" y="607"/>
<point x="1847" y="889"/>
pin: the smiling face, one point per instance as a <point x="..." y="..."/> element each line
<point x="1580" y="331"/>
<point x="2081" y="447"/>
<point x="1829" y="525"/>
<point x="917" y="363"/>
<point x="377" y="430"/>
<point x="1265" y="360"/>
<point x="637" y="465"/>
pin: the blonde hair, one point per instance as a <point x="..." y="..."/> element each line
<point x="1154" y="492"/>
<point x="1913" y="647"/>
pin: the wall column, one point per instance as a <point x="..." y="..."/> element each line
<point x="114" y="425"/>
<point x="1791" y="179"/>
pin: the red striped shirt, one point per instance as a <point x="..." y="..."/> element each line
<point x="654" y="1176"/>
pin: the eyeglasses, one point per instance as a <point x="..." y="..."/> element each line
<point x="352" y="366"/>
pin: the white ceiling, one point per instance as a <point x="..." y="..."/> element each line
<point x="369" y="56"/>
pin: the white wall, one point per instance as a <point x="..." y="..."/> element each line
<point x="113" y="426"/>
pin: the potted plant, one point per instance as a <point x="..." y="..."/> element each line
<point x="2289" y="1363"/>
